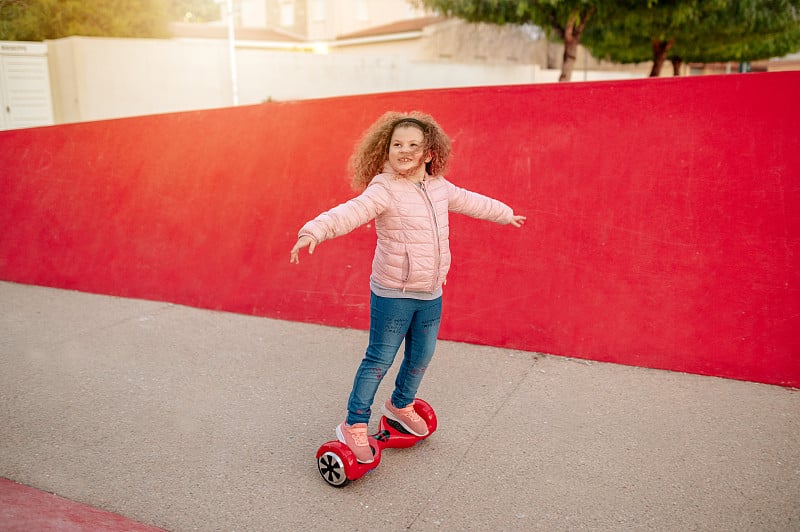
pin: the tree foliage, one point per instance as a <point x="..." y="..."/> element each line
<point x="698" y="31"/>
<point x="36" y="20"/>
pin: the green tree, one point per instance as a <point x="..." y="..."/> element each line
<point x="36" y="20"/>
<point x="698" y="31"/>
<point x="743" y="31"/>
<point x="565" y="20"/>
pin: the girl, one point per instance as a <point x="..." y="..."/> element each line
<point x="398" y="169"/>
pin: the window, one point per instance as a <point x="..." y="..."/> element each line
<point x="287" y="13"/>
<point x="318" y="10"/>
<point x="362" y="10"/>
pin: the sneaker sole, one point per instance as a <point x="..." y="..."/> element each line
<point x="340" y="437"/>
<point x="390" y="415"/>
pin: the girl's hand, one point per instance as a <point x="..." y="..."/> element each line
<point x="518" y="221"/>
<point x="303" y="241"/>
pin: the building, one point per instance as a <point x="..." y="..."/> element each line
<point x="318" y="20"/>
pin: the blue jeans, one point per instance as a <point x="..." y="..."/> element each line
<point x="393" y="320"/>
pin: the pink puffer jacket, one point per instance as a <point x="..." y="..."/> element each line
<point x="413" y="249"/>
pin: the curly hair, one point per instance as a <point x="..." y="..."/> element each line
<point x="372" y="150"/>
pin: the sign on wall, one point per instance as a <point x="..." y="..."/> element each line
<point x="25" y="96"/>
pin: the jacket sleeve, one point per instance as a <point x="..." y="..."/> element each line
<point x="347" y="216"/>
<point x="476" y="205"/>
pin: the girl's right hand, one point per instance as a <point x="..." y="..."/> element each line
<point x="303" y="241"/>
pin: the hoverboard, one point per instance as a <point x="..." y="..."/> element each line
<point x="338" y="465"/>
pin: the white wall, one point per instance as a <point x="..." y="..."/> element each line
<point x="97" y="78"/>
<point x="286" y="76"/>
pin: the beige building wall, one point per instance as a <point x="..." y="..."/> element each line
<point x="454" y="40"/>
<point x="327" y="19"/>
<point x="342" y="17"/>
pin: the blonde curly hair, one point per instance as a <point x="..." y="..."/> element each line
<point x="372" y="150"/>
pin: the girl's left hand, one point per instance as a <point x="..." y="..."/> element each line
<point x="518" y="220"/>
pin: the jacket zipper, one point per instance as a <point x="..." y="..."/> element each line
<point x="424" y="187"/>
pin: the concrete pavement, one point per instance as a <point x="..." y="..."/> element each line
<point x="189" y="419"/>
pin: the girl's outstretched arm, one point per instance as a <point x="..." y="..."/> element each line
<point x="303" y="241"/>
<point x="343" y="218"/>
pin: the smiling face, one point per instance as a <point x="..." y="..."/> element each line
<point x="407" y="155"/>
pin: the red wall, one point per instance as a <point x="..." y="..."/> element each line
<point x="663" y="216"/>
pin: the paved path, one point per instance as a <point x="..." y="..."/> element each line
<point x="189" y="419"/>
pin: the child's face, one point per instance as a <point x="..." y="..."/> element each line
<point x="407" y="156"/>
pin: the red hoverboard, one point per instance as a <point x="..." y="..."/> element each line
<point x="338" y="465"/>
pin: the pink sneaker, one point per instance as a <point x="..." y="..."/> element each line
<point x="407" y="417"/>
<point x="355" y="437"/>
